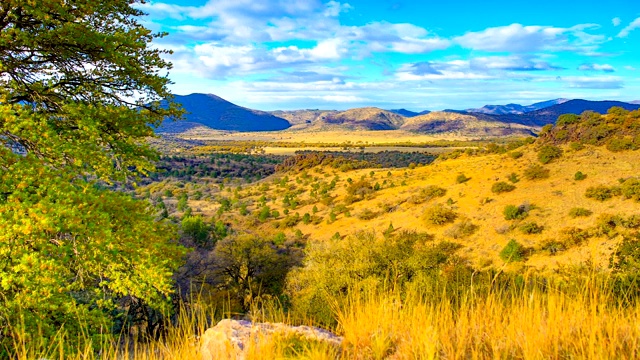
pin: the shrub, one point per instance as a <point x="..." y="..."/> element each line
<point x="600" y="193"/>
<point x="531" y="228"/>
<point x="367" y="214"/>
<point x="513" y="251"/>
<point x="536" y="172"/>
<point x="462" y="178"/>
<point x="502" y="187"/>
<point x="579" y="212"/>
<point x="513" y="177"/>
<point x="426" y="194"/>
<point x="630" y="189"/>
<point x="576" y="146"/>
<point x="620" y="144"/>
<point x="516" y="154"/>
<point x="548" y="153"/>
<point x="574" y="236"/>
<point x="553" y="246"/>
<point x="462" y="229"/>
<point x="579" y="176"/>
<point x="512" y="212"/>
<point x="439" y="215"/>
<point x="567" y="119"/>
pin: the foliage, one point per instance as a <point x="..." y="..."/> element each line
<point x="513" y="177"/>
<point x="512" y="212"/>
<point x="513" y="251"/>
<point x="502" y="187"/>
<point x="536" y="172"/>
<point x="600" y="193"/>
<point x="195" y="228"/>
<point x="462" y="178"/>
<point x="579" y="176"/>
<point x="530" y="228"/>
<point x="630" y="188"/>
<point x="427" y="193"/>
<point x="80" y="91"/>
<point x="516" y="154"/>
<point x="548" y="153"/>
<point x="579" y="212"/>
<point x="462" y="229"/>
<point x="439" y="215"/>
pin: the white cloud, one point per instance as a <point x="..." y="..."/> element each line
<point x="510" y="63"/>
<point x="629" y="28"/>
<point x="520" y="39"/>
<point x="591" y="82"/>
<point x="450" y="70"/>
<point x="630" y="68"/>
<point x="616" y="21"/>
<point x="597" y="67"/>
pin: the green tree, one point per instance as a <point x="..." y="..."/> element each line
<point x="80" y="90"/>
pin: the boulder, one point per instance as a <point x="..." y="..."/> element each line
<point x="229" y="339"/>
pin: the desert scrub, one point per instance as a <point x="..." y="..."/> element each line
<point x="548" y="153"/>
<point x="579" y="212"/>
<point x="439" y="215"/>
<point x="579" y="176"/>
<point x="426" y="194"/>
<point x="462" y="178"/>
<point x="513" y="177"/>
<point x="630" y="188"/>
<point x="513" y="251"/>
<point x="530" y="228"/>
<point x="462" y="229"/>
<point x="536" y="172"/>
<point x="502" y="187"/>
<point x="516" y="154"/>
<point x="573" y="236"/>
<point x="600" y="193"/>
<point x="512" y="212"/>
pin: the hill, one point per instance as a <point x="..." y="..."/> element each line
<point x="368" y="118"/>
<point x="215" y="112"/>
<point x="463" y="124"/>
<point x="301" y="117"/>
<point x="515" y="108"/>
<point x="550" y="114"/>
<point x="409" y="113"/>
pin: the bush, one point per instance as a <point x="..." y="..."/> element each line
<point x="574" y="236"/>
<point x="553" y="246"/>
<point x="536" y="172"/>
<point x="620" y="144"/>
<point x="579" y="212"/>
<point x="576" y="146"/>
<point x="367" y="214"/>
<point x="462" y="229"/>
<point x="630" y="189"/>
<point x="548" y="153"/>
<point x="516" y="154"/>
<point x="579" y="176"/>
<point x="426" y="194"/>
<point x="600" y="193"/>
<point x="502" y="187"/>
<point x="513" y="251"/>
<point x="439" y="215"/>
<point x="513" y="177"/>
<point x="512" y="212"/>
<point x="461" y="178"/>
<point x="567" y="119"/>
<point x="531" y="228"/>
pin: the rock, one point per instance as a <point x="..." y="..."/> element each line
<point x="229" y="339"/>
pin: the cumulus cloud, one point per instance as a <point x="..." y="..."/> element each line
<point x="521" y="39"/>
<point x="455" y="69"/>
<point x="616" y="21"/>
<point x="629" y="28"/>
<point x="597" y="67"/>
<point x="511" y="63"/>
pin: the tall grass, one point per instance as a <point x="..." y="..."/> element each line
<point x="536" y="322"/>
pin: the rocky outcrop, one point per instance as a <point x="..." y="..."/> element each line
<point x="229" y="339"/>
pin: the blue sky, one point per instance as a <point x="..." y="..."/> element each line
<point x="296" y="54"/>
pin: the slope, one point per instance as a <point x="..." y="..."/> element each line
<point x="463" y="124"/>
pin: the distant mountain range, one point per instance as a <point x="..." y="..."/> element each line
<point x="490" y="120"/>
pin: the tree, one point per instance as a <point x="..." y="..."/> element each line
<point x="80" y="90"/>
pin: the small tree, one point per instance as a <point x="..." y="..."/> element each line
<point x="513" y="251"/>
<point x="548" y="153"/>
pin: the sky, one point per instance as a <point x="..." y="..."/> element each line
<point x="392" y="54"/>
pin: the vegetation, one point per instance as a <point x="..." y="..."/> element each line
<point x="70" y="249"/>
<point x="439" y="215"/>
<point x="502" y="187"/>
<point x="513" y="251"/>
<point x="548" y="153"/>
<point x="536" y="172"/>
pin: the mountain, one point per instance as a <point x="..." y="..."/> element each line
<point x="550" y="114"/>
<point x="637" y="102"/>
<point x="407" y="113"/>
<point x="215" y="112"/>
<point x="368" y="118"/>
<point x="515" y="108"/>
<point x="299" y="117"/>
<point x="463" y="124"/>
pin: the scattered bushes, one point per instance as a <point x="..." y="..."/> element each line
<point x="513" y="251"/>
<point x="548" y="153"/>
<point x="536" y="172"/>
<point x="439" y="215"/>
<point x="502" y="187"/>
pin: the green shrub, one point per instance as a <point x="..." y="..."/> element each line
<point x="620" y="144"/>
<point x="576" y="146"/>
<point x="461" y="178"/>
<point x="574" y="236"/>
<point x="630" y="189"/>
<point x="513" y="251"/>
<point x="536" y="172"/>
<point x="502" y="187"/>
<point x="531" y="228"/>
<point x="462" y="229"/>
<point x="367" y="214"/>
<point x="439" y="215"/>
<point x="553" y="246"/>
<point x="579" y="212"/>
<point x="567" y="119"/>
<point x="512" y="212"/>
<point x="427" y="193"/>
<point x="600" y="193"/>
<point x="513" y="177"/>
<point x="548" y="153"/>
<point x="516" y="154"/>
<point x="579" y="176"/>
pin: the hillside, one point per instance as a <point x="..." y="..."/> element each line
<point x="368" y="118"/>
<point x="214" y="112"/>
<point x="409" y="113"/>
<point x="301" y="117"/>
<point x="463" y="124"/>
